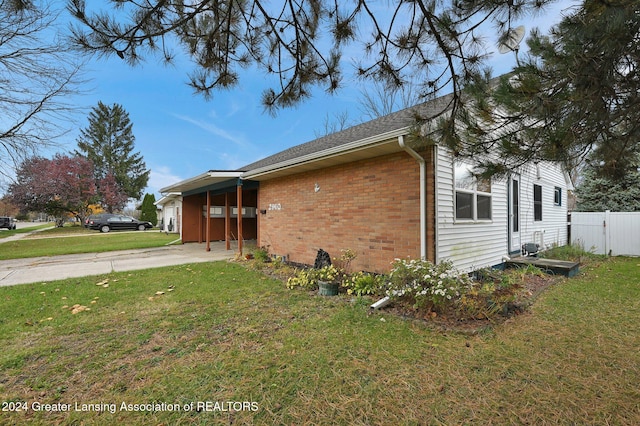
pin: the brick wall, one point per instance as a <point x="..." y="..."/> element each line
<point x="369" y="206"/>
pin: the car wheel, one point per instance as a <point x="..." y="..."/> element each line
<point x="141" y="227"/>
<point x="105" y="228"/>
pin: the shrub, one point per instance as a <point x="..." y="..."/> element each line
<point x="343" y="263"/>
<point x="304" y="278"/>
<point x="261" y="254"/>
<point x="425" y="285"/>
<point x="328" y="273"/>
<point x="492" y="293"/>
<point x="363" y="283"/>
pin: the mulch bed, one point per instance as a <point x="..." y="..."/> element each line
<point x="533" y="286"/>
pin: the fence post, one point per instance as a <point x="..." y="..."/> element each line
<point x="607" y="233"/>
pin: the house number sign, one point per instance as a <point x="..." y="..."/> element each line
<point x="276" y="206"/>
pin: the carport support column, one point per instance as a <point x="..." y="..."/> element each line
<point x="239" y="216"/>
<point x="227" y="221"/>
<point x="208" y="226"/>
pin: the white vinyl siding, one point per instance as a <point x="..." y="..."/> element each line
<point x="476" y="244"/>
<point x="552" y="229"/>
<point x="469" y="244"/>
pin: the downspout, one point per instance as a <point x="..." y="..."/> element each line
<point x="423" y="211"/>
<point x="423" y="195"/>
<point x="436" y="211"/>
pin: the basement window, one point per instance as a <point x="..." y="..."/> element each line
<point x="472" y="194"/>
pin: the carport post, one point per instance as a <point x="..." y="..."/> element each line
<point x="227" y="221"/>
<point x="239" y="191"/>
<point x="208" y="226"/>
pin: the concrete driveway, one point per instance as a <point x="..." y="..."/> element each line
<point x="44" y="269"/>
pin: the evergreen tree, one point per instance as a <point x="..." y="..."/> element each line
<point x="148" y="209"/>
<point x="300" y="44"/>
<point x="598" y="192"/>
<point x="108" y="142"/>
<point x="576" y="95"/>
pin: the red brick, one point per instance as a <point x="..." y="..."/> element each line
<point x="376" y="214"/>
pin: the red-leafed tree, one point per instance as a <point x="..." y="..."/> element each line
<point x="59" y="186"/>
<point x="112" y="195"/>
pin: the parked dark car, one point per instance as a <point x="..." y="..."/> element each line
<point x="7" y="222"/>
<point x="108" y="222"/>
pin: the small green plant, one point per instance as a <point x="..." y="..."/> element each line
<point x="572" y="252"/>
<point x="261" y="254"/>
<point x="328" y="273"/>
<point x="343" y="263"/>
<point x="522" y="273"/>
<point x="308" y="278"/>
<point x="304" y="278"/>
<point x="363" y="283"/>
<point x="493" y="292"/>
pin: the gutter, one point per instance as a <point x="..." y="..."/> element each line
<point x="423" y="195"/>
<point x="326" y="153"/>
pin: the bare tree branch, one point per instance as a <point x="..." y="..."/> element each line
<point x="37" y="73"/>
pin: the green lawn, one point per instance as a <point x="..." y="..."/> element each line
<point x="79" y="240"/>
<point x="224" y="334"/>
<point x="4" y="233"/>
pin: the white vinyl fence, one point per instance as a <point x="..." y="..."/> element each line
<point x="615" y="234"/>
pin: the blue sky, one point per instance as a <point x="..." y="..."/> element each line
<point x="181" y="135"/>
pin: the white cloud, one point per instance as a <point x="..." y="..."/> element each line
<point x="215" y="130"/>
<point x="231" y="161"/>
<point x="234" y="108"/>
<point x="160" y="177"/>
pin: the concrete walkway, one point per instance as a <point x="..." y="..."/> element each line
<point x="44" y="269"/>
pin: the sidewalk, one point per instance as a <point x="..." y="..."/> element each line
<point x="44" y="269"/>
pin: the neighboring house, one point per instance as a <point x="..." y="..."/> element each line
<point x="169" y="212"/>
<point x="367" y="190"/>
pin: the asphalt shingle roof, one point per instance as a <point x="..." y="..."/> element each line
<point x="394" y="121"/>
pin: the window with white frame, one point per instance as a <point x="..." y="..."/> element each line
<point x="473" y="194"/>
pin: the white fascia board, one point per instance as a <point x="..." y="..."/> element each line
<point x="167" y="197"/>
<point x="200" y="180"/>
<point x="390" y="137"/>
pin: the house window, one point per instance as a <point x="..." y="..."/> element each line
<point x="537" y="202"/>
<point x="557" y="196"/>
<point x="473" y="194"/>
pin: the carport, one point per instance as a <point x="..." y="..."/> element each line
<point x="231" y="205"/>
